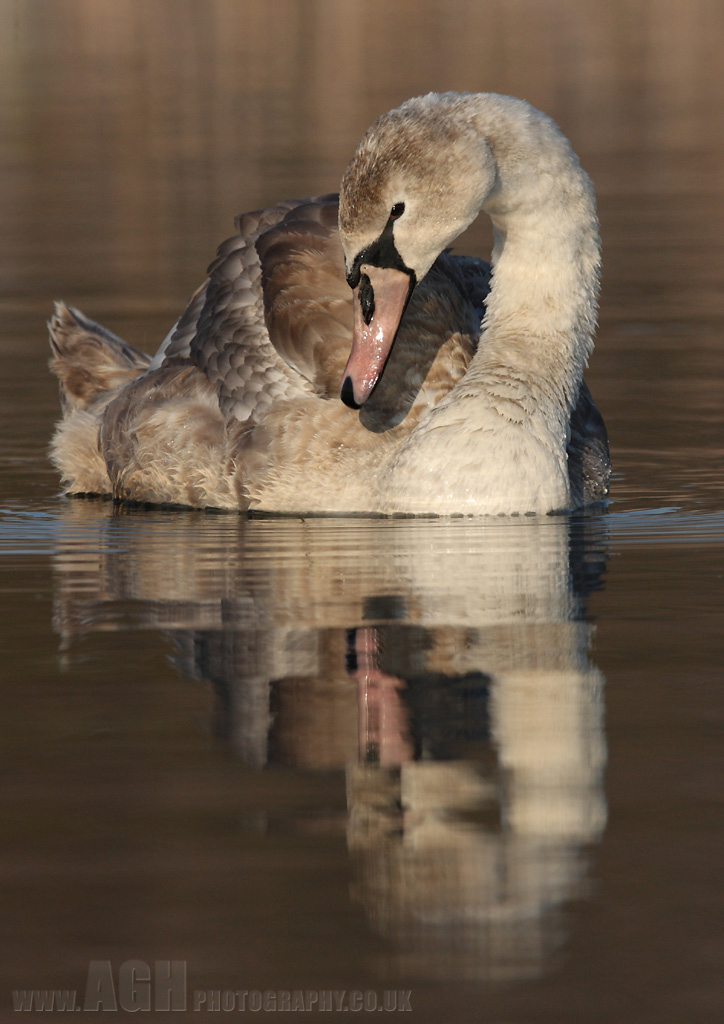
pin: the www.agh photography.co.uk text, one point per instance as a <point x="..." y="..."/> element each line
<point x="136" y="986"/>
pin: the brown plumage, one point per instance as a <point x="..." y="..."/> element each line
<point x="463" y="392"/>
<point x="88" y="360"/>
<point x="247" y="391"/>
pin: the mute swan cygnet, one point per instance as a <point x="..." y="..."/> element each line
<point x="479" y="406"/>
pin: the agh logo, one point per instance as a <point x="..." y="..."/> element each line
<point x="138" y="988"/>
<point x="134" y="986"/>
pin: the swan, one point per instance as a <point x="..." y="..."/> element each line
<point x="340" y="359"/>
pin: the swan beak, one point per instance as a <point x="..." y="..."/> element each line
<point x="379" y="302"/>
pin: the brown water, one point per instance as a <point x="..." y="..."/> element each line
<point x="479" y="762"/>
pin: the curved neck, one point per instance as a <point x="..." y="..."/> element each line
<point x="541" y="310"/>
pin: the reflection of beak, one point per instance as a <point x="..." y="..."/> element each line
<point x="379" y="302"/>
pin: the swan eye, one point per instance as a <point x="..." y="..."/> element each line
<point x="397" y="210"/>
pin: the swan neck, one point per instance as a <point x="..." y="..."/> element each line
<point x="541" y="310"/>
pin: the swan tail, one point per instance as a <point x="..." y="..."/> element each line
<point x="88" y="360"/>
<point x="91" y="364"/>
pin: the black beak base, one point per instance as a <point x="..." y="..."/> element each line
<point x="347" y="394"/>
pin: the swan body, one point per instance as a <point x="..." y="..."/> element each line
<point x="424" y="383"/>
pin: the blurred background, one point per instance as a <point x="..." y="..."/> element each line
<point x="131" y="133"/>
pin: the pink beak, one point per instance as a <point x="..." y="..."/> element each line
<point x="372" y="342"/>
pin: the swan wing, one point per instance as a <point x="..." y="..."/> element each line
<point x="224" y="331"/>
<point x="589" y="463"/>
<point x="307" y="302"/>
<point x="273" y="322"/>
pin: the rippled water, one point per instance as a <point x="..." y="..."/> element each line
<point x="475" y="761"/>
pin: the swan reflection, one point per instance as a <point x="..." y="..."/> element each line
<point x="443" y="666"/>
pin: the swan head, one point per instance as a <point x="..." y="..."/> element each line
<point x="418" y="178"/>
